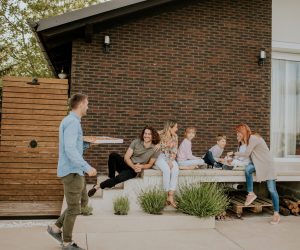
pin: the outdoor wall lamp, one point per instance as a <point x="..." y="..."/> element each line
<point x="262" y="57"/>
<point x="106" y="45"/>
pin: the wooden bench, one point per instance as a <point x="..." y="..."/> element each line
<point x="215" y="175"/>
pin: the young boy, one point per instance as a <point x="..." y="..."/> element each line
<point x="213" y="155"/>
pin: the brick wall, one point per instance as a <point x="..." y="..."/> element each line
<point x="196" y="64"/>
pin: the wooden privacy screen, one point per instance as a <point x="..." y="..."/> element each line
<point x="31" y="115"/>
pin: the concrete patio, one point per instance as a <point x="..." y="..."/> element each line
<point x="121" y="233"/>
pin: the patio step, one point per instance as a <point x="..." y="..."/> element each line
<point x="143" y="222"/>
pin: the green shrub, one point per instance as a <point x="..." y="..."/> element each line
<point x="87" y="210"/>
<point x="121" y="205"/>
<point x="202" y="199"/>
<point x="152" y="200"/>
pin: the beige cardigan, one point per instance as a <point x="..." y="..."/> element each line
<point x="260" y="155"/>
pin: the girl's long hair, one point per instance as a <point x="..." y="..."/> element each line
<point x="168" y="124"/>
<point x="244" y="129"/>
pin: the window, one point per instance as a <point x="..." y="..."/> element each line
<point x="285" y="108"/>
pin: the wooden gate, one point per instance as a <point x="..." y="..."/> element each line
<point x="31" y="113"/>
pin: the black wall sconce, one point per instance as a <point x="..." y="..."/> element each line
<point x="106" y="45"/>
<point x="262" y="57"/>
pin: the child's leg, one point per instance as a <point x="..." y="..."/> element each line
<point x="209" y="159"/>
<point x="190" y="164"/>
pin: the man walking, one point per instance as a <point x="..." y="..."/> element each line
<point x="71" y="169"/>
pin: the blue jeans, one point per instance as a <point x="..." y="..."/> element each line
<point x="271" y="184"/>
<point x="170" y="176"/>
<point x="209" y="158"/>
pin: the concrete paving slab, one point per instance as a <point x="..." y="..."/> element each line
<point x="257" y="233"/>
<point x="34" y="238"/>
<point x="142" y="223"/>
<point x="253" y="232"/>
<point x="160" y="240"/>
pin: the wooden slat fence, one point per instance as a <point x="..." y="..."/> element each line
<point x="31" y="115"/>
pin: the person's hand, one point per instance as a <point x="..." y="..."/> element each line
<point x="90" y="139"/>
<point x="221" y="160"/>
<point x="138" y="168"/>
<point x="92" y="172"/>
<point x="230" y="153"/>
<point x="157" y="147"/>
<point x="170" y="164"/>
<point x="229" y="161"/>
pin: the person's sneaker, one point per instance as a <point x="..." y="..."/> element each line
<point x="71" y="246"/>
<point x="56" y="236"/>
<point x="275" y="220"/>
<point x="92" y="191"/>
<point x="227" y="167"/>
<point x="250" y="198"/>
<point x="217" y="165"/>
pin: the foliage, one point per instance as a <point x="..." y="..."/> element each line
<point x="202" y="199"/>
<point x="121" y="205"/>
<point x="87" y="210"/>
<point x="152" y="200"/>
<point x="20" y="53"/>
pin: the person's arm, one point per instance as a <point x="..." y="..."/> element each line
<point x="86" y="145"/>
<point x="190" y="153"/>
<point x="149" y="164"/>
<point x="215" y="153"/>
<point x="87" y="141"/>
<point x="70" y="138"/>
<point x="252" y="144"/>
<point x="174" y="149"/>
<point x="127" y="158"/>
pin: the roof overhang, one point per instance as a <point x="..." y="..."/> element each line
<point x="55" y="34"/>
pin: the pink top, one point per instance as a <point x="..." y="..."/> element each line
<point x="185" y="151"/>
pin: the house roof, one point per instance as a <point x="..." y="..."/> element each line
<point x="55" y="34"/>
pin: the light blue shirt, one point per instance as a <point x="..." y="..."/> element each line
<point x="71" y="147"/>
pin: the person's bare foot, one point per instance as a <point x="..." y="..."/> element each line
<point x="170" y="200"/>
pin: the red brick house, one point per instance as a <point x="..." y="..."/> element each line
<point x="193" y="61"/>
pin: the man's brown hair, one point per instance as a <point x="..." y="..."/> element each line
<point x="155" y="135"/>
<point x="76" y="99"/>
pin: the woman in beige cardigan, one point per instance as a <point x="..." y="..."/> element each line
<point x="260" y="155"/>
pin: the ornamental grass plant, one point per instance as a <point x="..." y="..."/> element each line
<point x="202" y="199"/>
<point x="121" y="205"/>
<point x="152" y="200"/>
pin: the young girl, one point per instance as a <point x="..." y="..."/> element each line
<point x="185" y="157"/>
<point x="238" y="162"/>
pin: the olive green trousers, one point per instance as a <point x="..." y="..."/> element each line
<point x="76" y="197"/>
